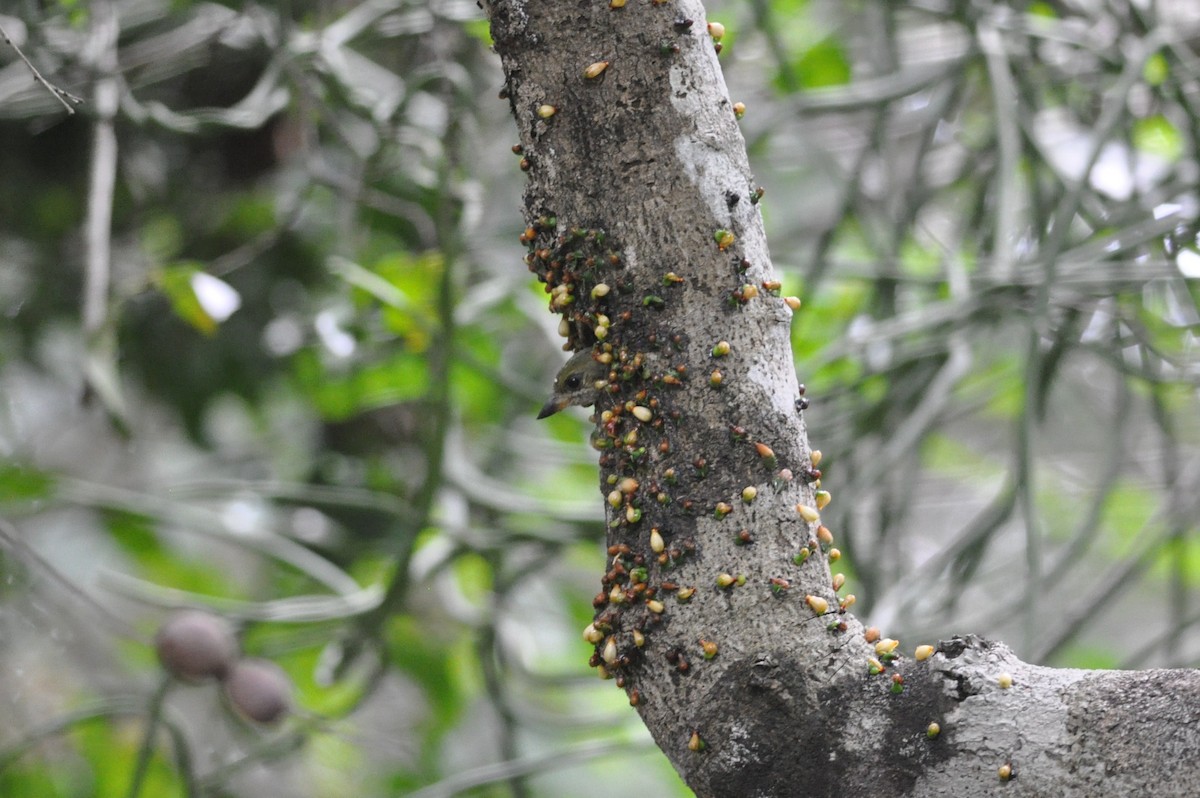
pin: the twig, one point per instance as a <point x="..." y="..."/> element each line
<point x="62" y="95"/>
<point x="146" y="749"/>
<point x="102" y="182"/>
<point x="210" y="524"/>
<point x="464" y="780"/>
<point x="1008" y="144"/>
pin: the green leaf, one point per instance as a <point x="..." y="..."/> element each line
<point x="134" y="533"/>
<point x="401" y="377"/>
<point x="248" y="215"/>
<point x="918" y="260"/>
<point x="476" y="394"/>
<point x="138" y="538"/>
<point x="162" y="237"/>
<point x="824" y="64"/>
<point x="1089" y="657"/>
<point x="474" y="577"/>
<point x="197" y="297"/>
<point x="1156" y="70"/>
<point x="21" y="483"/>
<point x="1127" y="509"/>
<point x="176" y="284"/>
<point x="824" y="317"/>
<point x="1040" y="9"/>
<point x="31" y="777"/>
<point x="480" y="29"/>
<point x="1180" y="557"/>
<point x="996" y="386"/>
<point x="427" y="654"/>
<point x="1156" y="135"/>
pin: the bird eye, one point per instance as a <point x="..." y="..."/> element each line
<point x="573" y="381"/>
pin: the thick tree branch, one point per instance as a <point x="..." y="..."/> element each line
<point x="718" y="614"/>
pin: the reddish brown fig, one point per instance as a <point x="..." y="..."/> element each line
<point x="259" y="690"/>
<point x="194" y="646"/>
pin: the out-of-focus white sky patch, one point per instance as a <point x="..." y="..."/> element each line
<point x="218" y="298"/>
<point x="1188" y="261"/>
<point x="339" y="342"/>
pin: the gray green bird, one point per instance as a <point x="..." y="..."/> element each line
<point x="576" y="383"/>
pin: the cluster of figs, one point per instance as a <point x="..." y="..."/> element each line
<point x="196" y="647"/>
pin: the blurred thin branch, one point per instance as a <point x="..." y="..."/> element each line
<point x="505" y="771"/>
<point x="100" y="365"/>
<point x="293" y="609"/>
<point x="203" y="521"/>
<point x="66" y="98"/>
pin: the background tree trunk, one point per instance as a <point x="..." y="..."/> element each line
<point x="718" y="615"/>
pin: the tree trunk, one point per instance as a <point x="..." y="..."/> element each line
<point x="718" y="614"/>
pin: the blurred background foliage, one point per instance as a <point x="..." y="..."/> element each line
<point x="292" y="379"/>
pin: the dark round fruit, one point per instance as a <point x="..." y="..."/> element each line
<point x="194" y="646"/>
<point x="259" y="690"/>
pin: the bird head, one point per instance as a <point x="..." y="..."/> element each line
<point x="576" y="383"/>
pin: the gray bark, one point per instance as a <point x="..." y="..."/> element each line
<point x="632" y="178"/>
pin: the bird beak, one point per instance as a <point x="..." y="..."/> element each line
<point x="550" y="408"/>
